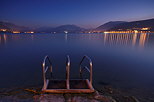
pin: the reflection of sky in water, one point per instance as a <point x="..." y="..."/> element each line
<point x="122" y="60"/>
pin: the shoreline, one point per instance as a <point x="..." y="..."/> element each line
<point x="106" y="94"/>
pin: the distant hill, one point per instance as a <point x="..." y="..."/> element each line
<point x="135" y="24"/>
<point x="12" y="27"/>
<point x="44" y="29"/>
<point x="60" y="29"/>
<point x="3" y="26"/>
<point x="69" y="28"/>
<point x="109" y="25"/>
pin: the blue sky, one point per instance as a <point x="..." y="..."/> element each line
<point x="84" y="13"/>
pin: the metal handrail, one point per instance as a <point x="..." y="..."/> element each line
<point x="89" y="70"/>
<point x="44" y="69"/>
<point x="68" y="71"/>
<point x="85" y="67"/>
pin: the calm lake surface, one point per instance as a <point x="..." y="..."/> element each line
<point x="124" y="61"/>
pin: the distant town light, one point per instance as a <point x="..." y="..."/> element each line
<point x="135" y="31"/>
<point x="29" y="32"/>
<point x="106" y="32"/>
<point x="145" y="29"/>
<point x="65" y="32"/>
<point x="3" y="30"/>
<point x="15" y="32"/>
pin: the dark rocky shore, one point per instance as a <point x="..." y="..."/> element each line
<point x="30" y="94"/>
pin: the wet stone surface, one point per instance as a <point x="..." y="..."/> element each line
<point x="33" y="94"/>
<point x="73" y="98"/>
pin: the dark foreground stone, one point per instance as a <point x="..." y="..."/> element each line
<point x="73" y="98"/>
<point x="33" y="94"/>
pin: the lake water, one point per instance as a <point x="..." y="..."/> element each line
<point x="124" y="61"/>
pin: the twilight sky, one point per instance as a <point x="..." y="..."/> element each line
<point x="84" y="13"/>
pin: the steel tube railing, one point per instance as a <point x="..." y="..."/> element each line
<point x="68" y="72"/>
<point x="44" y="69"/>
<point x="89" y="70"/>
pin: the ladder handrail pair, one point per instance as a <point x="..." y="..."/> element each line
<point x="45" y="68"/>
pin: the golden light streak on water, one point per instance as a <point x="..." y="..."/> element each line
<point x="125" y="39"/>
<point x="5" y="38"/>
<point x="105" y="38"/>
<point x="142" y="40"/>
<point x="134" y="39"/>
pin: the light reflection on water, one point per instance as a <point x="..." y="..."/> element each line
<point x="116" y="57"/>
<point x="110" y="39"/>
<point x="126" y="39"/>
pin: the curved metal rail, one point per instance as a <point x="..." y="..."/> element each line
<point x="45" y="68"/>
<point x="85" y="67"/>
<point x="68" y="71"/>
